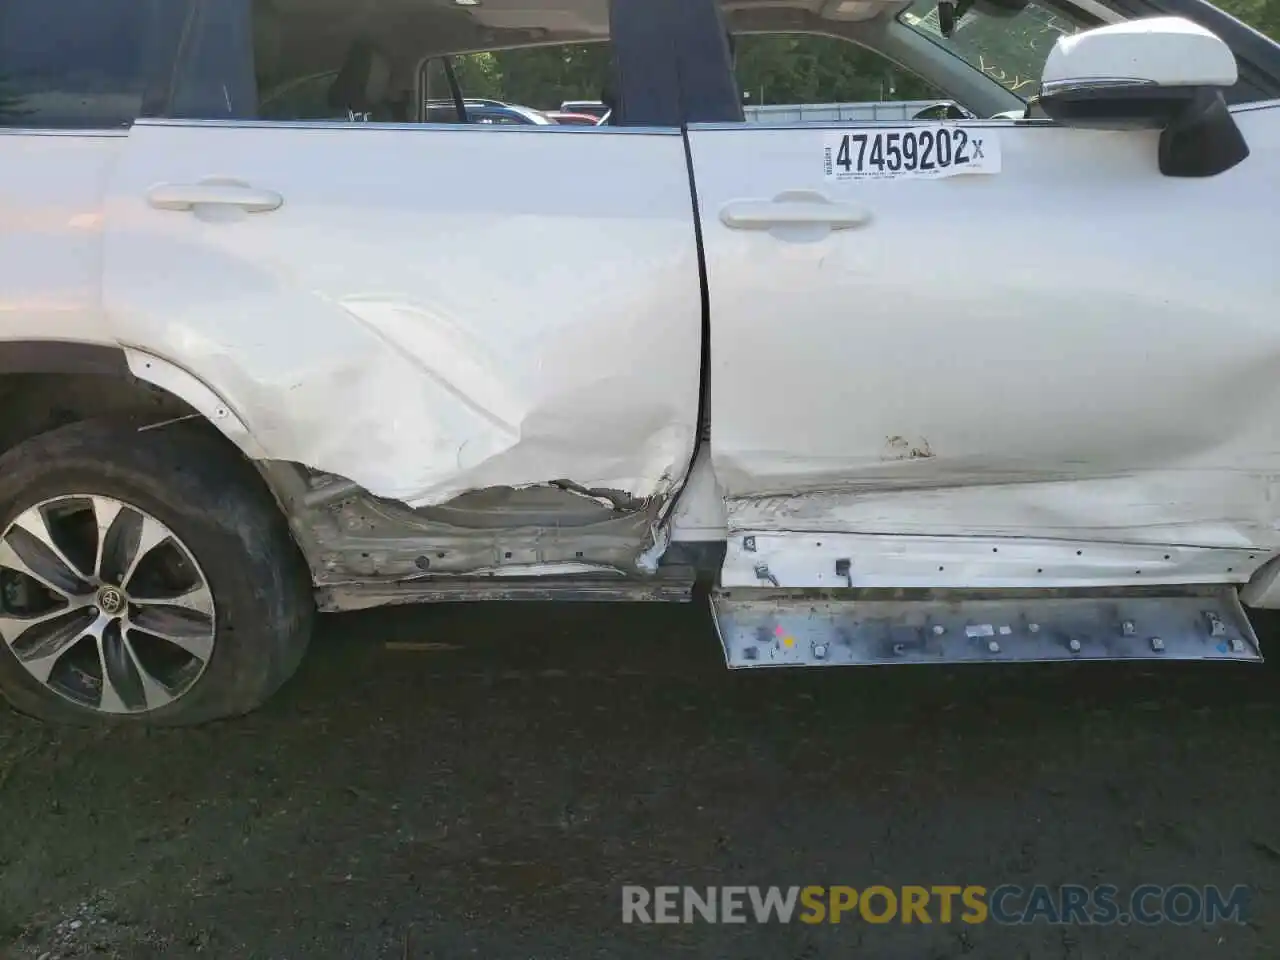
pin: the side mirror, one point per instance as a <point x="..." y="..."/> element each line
<point x="1162" y="73"/>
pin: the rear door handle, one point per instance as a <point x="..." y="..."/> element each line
<point x="186" y="196"/>
<point x="794" y="208"/>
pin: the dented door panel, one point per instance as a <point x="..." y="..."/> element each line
<point x="429" y="311"/>
<point x="1075" y="350"/>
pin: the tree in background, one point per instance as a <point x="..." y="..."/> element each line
<point x="1262" y="15"/>
<point x="539" y="77"/>
<point x="797" y="68"/>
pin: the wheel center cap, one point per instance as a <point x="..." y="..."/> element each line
<point x="110" y="601"/>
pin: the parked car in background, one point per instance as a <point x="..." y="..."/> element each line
<point x="574" y="119"/>
<point x="485" y="111"/>
<point x="594" y="108"/>
<point x="508" y="113"/>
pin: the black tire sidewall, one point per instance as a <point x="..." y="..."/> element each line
<point x="218" y="507"/>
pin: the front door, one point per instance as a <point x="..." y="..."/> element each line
<point x="427" y="309"/>
<point x="1057" y="370"/>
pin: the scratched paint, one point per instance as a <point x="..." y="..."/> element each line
<point x="1089" y="375"/>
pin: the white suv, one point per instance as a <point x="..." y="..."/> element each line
<point x="1019" y="373"/>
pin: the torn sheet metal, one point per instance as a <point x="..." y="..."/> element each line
<point x="459" y="310"/>
<point x="363" y="539"/>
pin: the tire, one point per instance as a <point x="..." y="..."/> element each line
<point x="231" y="643"/>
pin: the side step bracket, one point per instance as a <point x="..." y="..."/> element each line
<point x="775" y="628"/>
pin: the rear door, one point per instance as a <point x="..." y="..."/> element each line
<point x="1056" y="371"/>
<point x="403" y="303"/>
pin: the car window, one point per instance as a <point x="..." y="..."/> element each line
<point x="519" y="84"/>
<point x="590" y="108"/>
<point x="305" y="98"/>
<point x="1009" y="49"/>
<point x="409" y="62"/>
<point x="790" y="78"/>
<point x="76" y="63"/>
<point x="499" y="115"/>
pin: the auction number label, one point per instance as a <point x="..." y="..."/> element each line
<point x="921" y="152"/>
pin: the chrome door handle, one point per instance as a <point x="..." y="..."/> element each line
<point x="187" y="196"/>
<point x="794" y="208"/>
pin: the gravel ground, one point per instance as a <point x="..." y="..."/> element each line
<point x="489" y="796"/>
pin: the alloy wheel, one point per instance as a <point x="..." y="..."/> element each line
<point x="104" y="605"/>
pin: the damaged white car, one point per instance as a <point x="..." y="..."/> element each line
<point x="276" y="334"/>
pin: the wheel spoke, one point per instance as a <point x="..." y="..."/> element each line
<point x="192" y="632"/>
<point x="129" y="538"/>
<point x="154" y="693"/>
<point x="39" y="642"/>
<point x="13" y="626"/>
<point x="199" y="600"/>
<point x="25" y="553"/>
<point x="36" y="523"/>
<point x="122" y="688"/>
<point x="152" y="535"/>
<point x="104" y="514"/>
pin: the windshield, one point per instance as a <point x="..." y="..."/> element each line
<point x="1009" y="49"/>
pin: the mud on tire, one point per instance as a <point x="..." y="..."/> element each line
<point x="161" y="509"/>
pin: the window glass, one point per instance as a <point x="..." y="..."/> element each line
<point x="1009" y="49"/>
<point x="540" y="78"/>
<point x="408" y="62"/>
<point x="788" y="78"/>
<point x="72" y="63"/>
<point x="499" y="117"/>
<point x="306" y="98"/>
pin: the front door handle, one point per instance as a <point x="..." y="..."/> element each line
<point x="187" y="196"/>
<point x="794" y="208"/>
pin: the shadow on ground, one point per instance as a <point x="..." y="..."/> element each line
<point x="489" y="798"/>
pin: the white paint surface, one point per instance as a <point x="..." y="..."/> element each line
<point x="1083" y="396"/>
<point x="430" y="310"/>
<point x="180" y="383"/>
<point x="1169" y="51"/>
<point x="807" y="561"/>
<point x="1077" y="349"/>
<point x="51" y="234"/>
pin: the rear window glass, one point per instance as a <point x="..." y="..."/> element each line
<point x="72" y="63"/>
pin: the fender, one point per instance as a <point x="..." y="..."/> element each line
<point x="77" y="358"/>
<point x="170" y="377"/>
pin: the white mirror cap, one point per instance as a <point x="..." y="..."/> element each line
<point x="1168" y="51"/>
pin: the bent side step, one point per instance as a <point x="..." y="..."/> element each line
<point x="760" y="628"/>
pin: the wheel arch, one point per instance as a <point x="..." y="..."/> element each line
<point x="202" y="398"/>
<point x="47" y="383"/>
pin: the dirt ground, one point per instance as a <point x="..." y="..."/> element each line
<point x="489" y="799"/>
